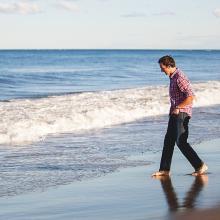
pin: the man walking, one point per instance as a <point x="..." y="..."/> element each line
<point x="181" y="99"/>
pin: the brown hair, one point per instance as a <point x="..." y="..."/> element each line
<point x="167" y="61"/>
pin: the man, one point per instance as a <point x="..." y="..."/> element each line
<point x="181" y="99"/>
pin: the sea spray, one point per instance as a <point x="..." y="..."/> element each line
<point x="29" y="120"/>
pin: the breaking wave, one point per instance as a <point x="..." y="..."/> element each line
<point x="29" y="120"/>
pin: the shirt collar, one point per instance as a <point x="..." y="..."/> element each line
<point x="177" y="70"/>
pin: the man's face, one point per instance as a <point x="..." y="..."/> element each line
<point x="165" y="69"/>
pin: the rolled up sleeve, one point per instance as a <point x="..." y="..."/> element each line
<point x="185" y="86"/>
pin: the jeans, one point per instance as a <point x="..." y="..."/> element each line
<point x="177" y="132"/>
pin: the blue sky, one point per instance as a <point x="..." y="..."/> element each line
<point x="100" y="24"/>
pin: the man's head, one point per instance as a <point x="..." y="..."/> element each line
<point x="167" y="65"/>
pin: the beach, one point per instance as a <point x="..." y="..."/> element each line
<point x="130" y="193"/>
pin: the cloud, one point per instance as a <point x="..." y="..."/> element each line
<point x="133" y="15"/>
<point x="68" y="6"/>
<point x="198" y="37"/>
<point x="19" y="7"/>
<point x="138" y="15"/>
<point x="164" y="13"/>
<point x="217" y="12"/>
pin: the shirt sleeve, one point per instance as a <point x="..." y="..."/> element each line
<point x="185" y="86"/>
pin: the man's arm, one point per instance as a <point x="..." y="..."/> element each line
<point x="187" y="101"/>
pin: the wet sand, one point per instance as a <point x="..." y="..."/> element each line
<point x="129" y="194"/>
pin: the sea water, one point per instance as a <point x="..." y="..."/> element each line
<point x="69" y="115"/>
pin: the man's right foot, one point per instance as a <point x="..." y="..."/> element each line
<point x="161" y="173"/>
<point x="201" y="170"/>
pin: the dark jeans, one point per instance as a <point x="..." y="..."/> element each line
<point x="177" y="132"/>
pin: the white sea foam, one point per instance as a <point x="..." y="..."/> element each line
<point x="29" y="120"/>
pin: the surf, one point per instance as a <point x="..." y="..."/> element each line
<point x="25" y="121"/>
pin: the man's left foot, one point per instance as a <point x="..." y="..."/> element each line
<point x="201" y="170"/>
<point x="161" y="173"/>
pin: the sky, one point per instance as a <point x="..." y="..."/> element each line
<point x="109" y="24"/>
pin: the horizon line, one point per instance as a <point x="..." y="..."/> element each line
<point x="207" y="49"/>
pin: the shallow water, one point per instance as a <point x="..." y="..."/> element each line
<point x="63" y="159"/>
<point x="71" y="115"/>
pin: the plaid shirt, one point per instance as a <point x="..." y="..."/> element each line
<point x="180" y="89"/>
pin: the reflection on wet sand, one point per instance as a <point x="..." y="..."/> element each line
<point x="191" y="194"/>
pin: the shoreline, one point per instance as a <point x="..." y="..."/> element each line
<point x="130" y="193"/>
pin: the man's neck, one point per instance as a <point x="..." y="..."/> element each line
<point x="172" y="71"/>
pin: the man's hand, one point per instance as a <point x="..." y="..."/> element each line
<point x="176" y="111"/>
<point x="187" y="101"/>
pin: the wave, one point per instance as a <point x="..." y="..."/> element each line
<point x="29" y="120"/>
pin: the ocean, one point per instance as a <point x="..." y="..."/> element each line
<point x="70" y="115"/>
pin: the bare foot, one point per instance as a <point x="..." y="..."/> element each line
<point x="162" y="178"/>
<point x="161" y="173"/>
<point x="201" y="170"/>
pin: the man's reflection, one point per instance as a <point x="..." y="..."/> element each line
<point x="191" y="195"/>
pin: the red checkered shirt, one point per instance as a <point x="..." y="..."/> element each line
<point x="180" y="89"/>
